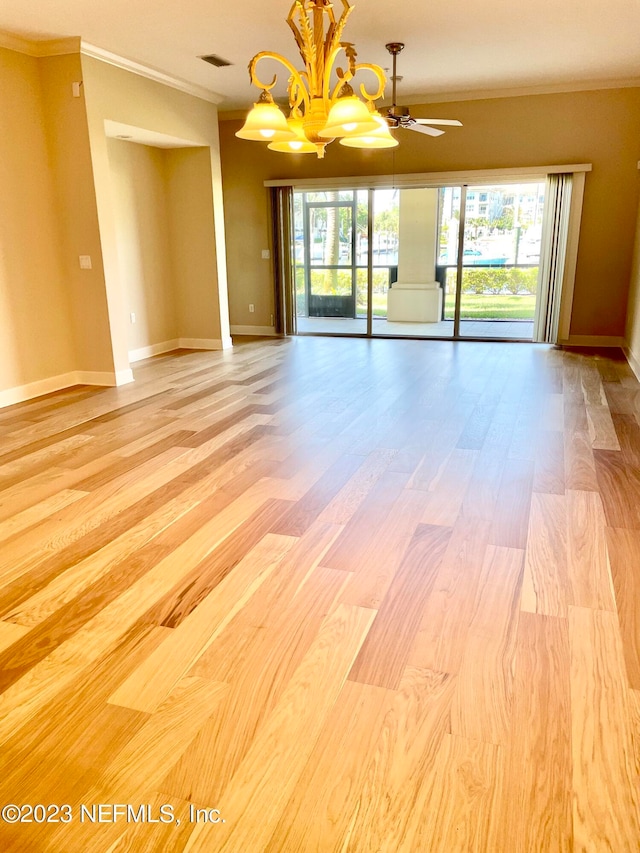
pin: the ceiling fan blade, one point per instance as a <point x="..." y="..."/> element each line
<point x="430" y="131"/>
<point x="451" y="122"/>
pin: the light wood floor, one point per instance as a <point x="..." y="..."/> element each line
<point x="355" y="595"/>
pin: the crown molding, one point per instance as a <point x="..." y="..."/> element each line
<point x="522" y="91"/>
<point x="49" y="47"/>
<point x="150" y="73"/>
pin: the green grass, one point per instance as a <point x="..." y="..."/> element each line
<point x="492" y="307"/>
<point x="474" y="306"/>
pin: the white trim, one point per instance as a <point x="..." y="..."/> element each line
<point x="52" y="47"/>
<point x="433" y="179"/>
<point x="634" y="364"/>
<point x="123" y="377"/>
<point x="593" y="341"/>
<point x="259" y="331"/>
<point x="204" y="343"/>
<point x="21" y="393"/>
<point x="525" y="91"/>
<point x="149" y="72"/>
<point x="153" y="349"/>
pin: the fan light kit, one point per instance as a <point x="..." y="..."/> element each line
<point x="320" y="111"/>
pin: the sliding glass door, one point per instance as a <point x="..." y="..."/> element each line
<point x="330" y="251"/>
<point x="501" y="257"/>
<point x="429" y="262"/>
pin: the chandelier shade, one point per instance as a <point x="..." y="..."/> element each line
<point x="347" y="117"/>
<point x="323" y="105"/>
<point x="266" y="123"/>
<point x="378" y="138"/>
<point x="299" y="144"/>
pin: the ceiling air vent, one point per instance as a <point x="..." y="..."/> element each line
<point x="218" y="61"/>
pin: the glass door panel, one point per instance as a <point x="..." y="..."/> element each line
<point x="415" y="247"/>
<point x="503" y="227"/>
<point x="329" y="295"/>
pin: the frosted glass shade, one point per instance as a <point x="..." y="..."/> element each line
<point x="378" y="138"/>
<point x="266" y="123"/>
<point x="299" y="144"/>
<point x="348" y="117"/>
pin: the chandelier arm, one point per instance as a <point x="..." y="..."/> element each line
<point x="343" y="77"/>
<point x="380" y="75"/>
<point x="297" y="79"/>
<point x="297" y="7"/>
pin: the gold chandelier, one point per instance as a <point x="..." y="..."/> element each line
<point x="320" y="110"/>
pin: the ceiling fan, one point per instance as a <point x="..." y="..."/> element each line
<point x="399" y="116"/>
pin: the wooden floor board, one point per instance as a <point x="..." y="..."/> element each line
<point x="355" y="595"/>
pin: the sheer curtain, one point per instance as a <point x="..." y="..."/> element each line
<point x="552" y="257"/>
<point x="282" y="217"/>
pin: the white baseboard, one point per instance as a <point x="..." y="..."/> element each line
<point x="178" y="343"/>
<point x="21" y="393"/>
<point x="258" y="331"/>
<point x="593" y="341"/>
<point x="153" y="349"/>
<point x="634" y="364"/>
<point x="202" y="343"/>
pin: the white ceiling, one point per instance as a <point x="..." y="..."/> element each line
<point x="451" y="47"/>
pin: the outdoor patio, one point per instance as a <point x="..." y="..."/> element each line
<point x="506" y="329"/>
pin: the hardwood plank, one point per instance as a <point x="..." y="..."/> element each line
<point x="151" y="682"/>
<point x="619" y="486"/>
<point x="385" y="652"/>
<point x="267" y="776"/>
<point x="588" y="559"/>
<point x="511" y="516"/>
<point x="483" y="700"/>
<point x="135" y="771"/>
<point x="378" y="562"/>
<point x="580" y="466"/>
<point x="402" y="763"/>
<point x="306" y="510"/>
<point x="549" y="474"/>
<point x="446" y="493"/>
<point x="606" y="806"/>
<point x="326" y="799"/>
<point x="538" y="782"/>
<point x="10" y="634"/>
<point x="348" y="499"/>
<point x="623" y="548"/>
<point x="258" y="661"/>
<point x="33" y="515"/>
<point x="546" y="587"/>
<point x="464" y="806"/>
<point x="601" y="429"/>
<point x="444" y="629"/>
<point x="351" y="545"/>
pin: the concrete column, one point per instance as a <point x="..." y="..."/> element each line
<point x="416" y="297"/>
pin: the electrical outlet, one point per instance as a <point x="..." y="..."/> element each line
<point x="266" y="254"/>
<point x="251" y="308"/>
<point x="85" y="262"/>
<point x="132" y="317"/>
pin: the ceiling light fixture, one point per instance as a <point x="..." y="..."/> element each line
<point x="321" y="109"/>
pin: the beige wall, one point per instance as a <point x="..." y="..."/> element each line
<point x="65" y="123"/>
<point x="36" y="340"/>
<point x="141" y="211"/>
<point x="191" y="206"/>
<point x="632" y="333"/>
<point x="118" y="95"/>
<point x="600" y="127"/>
